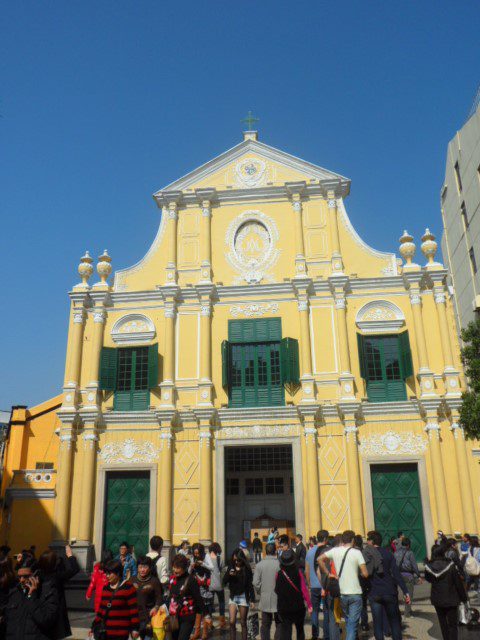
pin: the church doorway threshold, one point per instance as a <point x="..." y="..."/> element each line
<point x="259" y="492"/>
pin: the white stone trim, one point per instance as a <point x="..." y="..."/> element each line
<point x="143" y="332"/>
<point x="380" y="316"/>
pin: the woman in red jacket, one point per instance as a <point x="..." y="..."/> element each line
<point x="98" y="580"/>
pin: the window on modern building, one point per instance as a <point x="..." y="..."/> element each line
<point x="257" y="363"/>
<point x="254" y="486"/>
<point x="130" y="373"/>
<point x="44" y="466"/>
<point x="274" y="485"/>
<point x="385" y="364"/>
<point x="463" y="210"/>
<point x="458" y="177"/>
<point x="473" y="260"/>
<point x="232" y="486"/>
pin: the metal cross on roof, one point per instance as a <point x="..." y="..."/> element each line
<point x="250" y="120"/>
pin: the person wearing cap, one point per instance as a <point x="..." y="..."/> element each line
<point x="292" y="595"/>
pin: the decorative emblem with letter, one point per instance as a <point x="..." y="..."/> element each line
<point x="250" y="172"/>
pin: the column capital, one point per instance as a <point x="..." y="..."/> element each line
<point x="99" y="316"/>
<point x="79" y="316"/>
<point x="415" y="297"/>
<point x="331" y="201"/>
<point x="340" y="301"/>
<point x="303" y="303"/>
<point x="457" y="430"/>
<point x="439" y="297"/>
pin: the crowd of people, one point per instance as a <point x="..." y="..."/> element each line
<point x="148" y="597"/>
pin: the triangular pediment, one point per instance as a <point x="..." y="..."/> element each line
<point x="252" y="164"/>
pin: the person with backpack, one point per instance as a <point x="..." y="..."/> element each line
<point x="383" y="592"/>
<point x="216" y="587"/>
<point x="407" y="565"/>
<point x="159" y="567"/>
<point x="257" y="548"/>
<point x="447" y="592"/>
<point x="472" y="564"/>
<point x="292" y="595"/>
<point x="314" y="582"/>
<point x="348" y="562"/>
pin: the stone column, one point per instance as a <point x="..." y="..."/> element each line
<point x="427" y="385"/>
<point x="93" y="398"/>
<point x="313" y="483"/>
<point x="168" y="384"/>
<point x="345" y="379"/>
<point x="74" y="362"/>
<point x="468" y="504"/>
<point x="306" y="378"/>
<point x="205" y="386"/>
<point x="171" y="241"/>
<point x="439" y="486"/>
<point x="205" y="197"/>
<point x="353" y="472"/>
<point x="336" y="261"/>
<point x="90" y="440"/>
<point x="206" y="485"/>
<point x="451" y="375"/>
<point x="300" y="262"/>
<point x="61" y="518"/>
<point x="165" y="486"/>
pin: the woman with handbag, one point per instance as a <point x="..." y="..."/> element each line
<point x="292" y="595"/>
<point x="149" y="596"/>
<point x="448" y="590"/>
<point x="117" y="617"/>
<point x="186" y="604"/>
<point x="239" y="580"/>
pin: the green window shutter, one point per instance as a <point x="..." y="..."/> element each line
<point x="236" y="330"/>
<point x="290" y="361"/>
<point x="225" y="364"/>
<point x="140" y="400"/>
<point x="406" y="354"/>
<point x="153" y="366"/>
<point x="255" y="330"/>
<point x="122" y="401"/>
<point x="361" y="356"/>
<point x="108" y="369"/>
<point x="377" y="391"/>
<point x="396" y="390"/>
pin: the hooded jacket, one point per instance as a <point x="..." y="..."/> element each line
<point x="447" y="586"/>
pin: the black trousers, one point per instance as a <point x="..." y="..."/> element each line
<point x="287" y="620"/>
<point x="185" y="628"/>
<point x="266" y="625"/>
<point x="448" y="619"/>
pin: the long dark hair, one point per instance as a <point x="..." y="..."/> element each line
<point x="438" y="552"/>
<point x="107" y="556"/>
<point x="47" y="563"/>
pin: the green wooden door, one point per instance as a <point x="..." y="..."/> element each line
<point x="127" y="507"/>
<point x="397" y="504"/>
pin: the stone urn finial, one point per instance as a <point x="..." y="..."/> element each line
<point x="407" y="247"/>
<point x="85" y="268"/>
<point x="104" y="268"/>
<point x="429" y="246"/>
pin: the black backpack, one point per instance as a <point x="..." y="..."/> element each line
<point x="154" y="571"/>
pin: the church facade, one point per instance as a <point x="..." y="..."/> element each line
<point x="260" y="366"/>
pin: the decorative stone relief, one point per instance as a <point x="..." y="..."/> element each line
<point x="258" y="431"/>
<point x="392" y="443"/>
<point x="129" y="451"/>
<point x="380" y="316"/>
<point x="250" y="172"/>
<point x="251" y="239"/>
<point x="133" y="328"/>
<point x="254" y="310"/>
<point x="38" y="476"/>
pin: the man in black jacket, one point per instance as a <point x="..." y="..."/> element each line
<point x="31" y="608"/>
<point x="300" y="551"/>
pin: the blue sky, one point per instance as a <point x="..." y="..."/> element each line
<point x="102" y="103"/>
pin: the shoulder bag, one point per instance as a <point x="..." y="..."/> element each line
<point x="333" y="584"/>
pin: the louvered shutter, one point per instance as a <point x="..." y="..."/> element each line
<point x="395" y="390"/>
<point x="255" y="330"/>
<point x="108" y="369"/>
<point x="406" y="354"/>
<point x="140" y="400"/>
<point x="122" y="401"/>
<point x="377" y="391"/>
<point x="290" y="361"/>
<point x="225" y="364"/>
<point x="153" y="366"/>
<point x="361" y="356"/>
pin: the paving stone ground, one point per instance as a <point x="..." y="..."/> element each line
<point x="423" y="625"/>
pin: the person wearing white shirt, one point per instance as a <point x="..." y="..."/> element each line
<point x="350" y="589"/>
<point x="160" y="562"/>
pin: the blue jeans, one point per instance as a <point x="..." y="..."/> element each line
<point x="316" y="595"/>
<point x="352" y="609"/>
<point x="386" y="605"/>
<point x="331" y="630"/>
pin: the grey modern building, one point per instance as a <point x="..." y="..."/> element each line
<point x="460" y="204"/>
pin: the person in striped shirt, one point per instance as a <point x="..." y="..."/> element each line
<point x="118" y="608"/>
